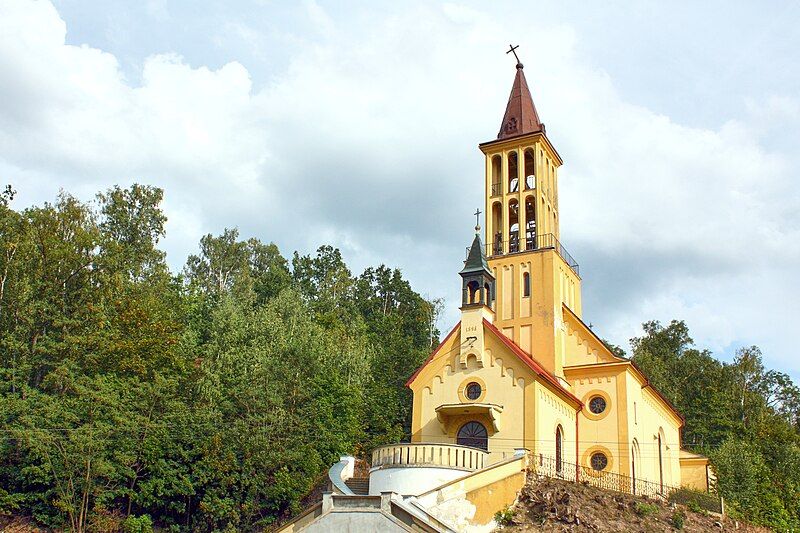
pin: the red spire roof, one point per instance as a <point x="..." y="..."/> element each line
<point x="521" y="117"/>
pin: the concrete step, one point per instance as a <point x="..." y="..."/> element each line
<point x="359" y="485"/>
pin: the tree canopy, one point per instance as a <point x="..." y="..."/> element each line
<point x="209" y="400"/>
<point x="744" y="417"/>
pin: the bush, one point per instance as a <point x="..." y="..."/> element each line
<point x="678" y="518"/>
<point x="138" y="524"/>
<point x="505" y="517"/>
<point x="697" y="501"/>
<point x="645" y="509"/>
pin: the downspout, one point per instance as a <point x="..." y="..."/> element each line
<point x="577" y="441"/>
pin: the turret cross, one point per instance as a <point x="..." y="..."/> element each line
<point x="477" y="214"/>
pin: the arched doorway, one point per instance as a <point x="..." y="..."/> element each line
<point x="473" y="434"/>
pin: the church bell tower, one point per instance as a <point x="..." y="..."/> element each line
<point x="535" y="276"/>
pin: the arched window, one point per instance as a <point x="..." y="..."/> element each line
<point x="559" y="450"/>
<point x="526" y="284"/>
<point x="497" y="168"/>
<point x="530" y="222"/>
<point x="473" y="434"/>
<point x="497" y="228"/>
<point x="487" y="293"/>
<point x="513" y="227"/>
<point x="513" y="172"/>
<point x="530" y="174"/>
<point x="474" y="292"/>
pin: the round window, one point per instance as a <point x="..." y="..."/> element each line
<point x="599" y="461"/>
<point x="597" y="405"/>
<point x="473" y="391"/>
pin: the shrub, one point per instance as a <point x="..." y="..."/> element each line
<point x="505" y="517"/>
<point x="645" y="509"/>
<point x="138" y="524"/>
<point x="695" y="507"/>
<point x="678" y="518"/>
<point x="696" y="501"/>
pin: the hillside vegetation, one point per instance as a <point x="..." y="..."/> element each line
<point x="215" y="398"/>
<point x="550" y="505"/>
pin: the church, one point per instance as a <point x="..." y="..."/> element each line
<point x="521" y="384"/>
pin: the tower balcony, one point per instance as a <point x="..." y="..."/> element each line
<point x="514" y="244"/>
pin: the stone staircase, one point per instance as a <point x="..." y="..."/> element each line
<point x="359" y="485"/>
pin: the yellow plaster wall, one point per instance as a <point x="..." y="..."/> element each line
<point x="505" y="380"/>
<point x="535" y="323"/>
<point x="600" y="432"/>
<point x="488" y="490"/>
<point x="580" y="346"/>
<point x="551" y="412"/>
<point x="632" y="414"/>
<point x="647" y="417"/>
<point x="495" y="497"/>
<point x="694" y="474"/>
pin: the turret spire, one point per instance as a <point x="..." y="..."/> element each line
<point x="521" y="117"/>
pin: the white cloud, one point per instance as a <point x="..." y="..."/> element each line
<point x="367" y="140"/>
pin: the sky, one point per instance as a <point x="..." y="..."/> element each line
<point x="356" y="124"/>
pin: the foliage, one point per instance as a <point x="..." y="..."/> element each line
<point x="743" y="416"/>
<point x="210" y="401"/>
<point x="695" y="500"/>
<point x="644" y="509"/>
<point x="505" y="517"/>
<point x="678" y="518"/>
<point x="138" y="524"/>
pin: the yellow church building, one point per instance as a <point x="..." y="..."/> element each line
<point x="521" y="369"/>
<point x="521" y="385"/>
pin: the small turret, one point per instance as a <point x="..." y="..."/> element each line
<point x="477" y="302"/>
<point x="477" y="281"/>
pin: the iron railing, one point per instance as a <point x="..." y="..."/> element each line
<point x="513" y="245"/>
<point x="550" y="467"/>
<point x="497" y="189"/>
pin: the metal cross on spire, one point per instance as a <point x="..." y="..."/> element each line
<point x="513" y="50"/>
<point x="477" y="214"/>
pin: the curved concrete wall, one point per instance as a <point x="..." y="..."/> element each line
<point x="412" y="480"/>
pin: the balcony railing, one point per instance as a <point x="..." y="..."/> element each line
<point x="513" y="245"/>
<point x="497" y="189"/>
<point x="429" y="454"/>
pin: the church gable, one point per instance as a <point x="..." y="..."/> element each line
<point x="449" y="361"/>
<point x="581" y="345"/>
